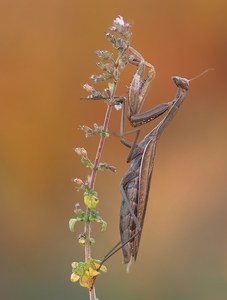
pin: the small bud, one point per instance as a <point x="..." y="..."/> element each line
<point x="104" y="134"/>
<point x="113" y="28"/>
<point x="77" y="209"/>
<point x="78" y="181"/>
<point x="111" y="38"/>
<point x="108" y="75"/>
<point x="104" y="54"/>
<point x="91" y="241"/>
<point x="97" y="78"/>
<point x="74" y="264"/>
<point x="81" y="152"/>
<point x="120" y="45"/>
<point x="88" y="88"/>
<point x="88" y="131"/>
<point x="77" y="206"/>
<point x="98" y="129"/>
<point x="82" y="239"/>
<point x="109" y="68"/>
<point x="101" y="65"/>
<point x="74" y="277"/>
<point x="95" y="96"/>
<point x="119" y="21"/>
<point x="103" y="268"/>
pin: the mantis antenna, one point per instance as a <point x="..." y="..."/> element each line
<point x="201" y="74"/>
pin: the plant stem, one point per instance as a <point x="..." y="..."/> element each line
<point x="87" y="227"/>
<point x="91" y="186"/>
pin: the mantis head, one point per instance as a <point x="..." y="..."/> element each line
<point x="180" y="82"/>
<point x="183" y="83"/>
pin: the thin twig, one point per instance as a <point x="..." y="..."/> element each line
<point x="87" y="227"/>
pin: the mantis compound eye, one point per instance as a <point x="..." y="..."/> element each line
<point x="180" y="82"/>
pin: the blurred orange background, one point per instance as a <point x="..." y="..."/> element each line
<point x="46" y="54"/>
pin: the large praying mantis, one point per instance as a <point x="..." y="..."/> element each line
<point x="135" y="184"/>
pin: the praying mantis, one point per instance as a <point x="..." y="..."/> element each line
<point x="135" y="184"/>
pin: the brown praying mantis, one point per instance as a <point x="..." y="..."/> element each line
<point x="135" y="184"/>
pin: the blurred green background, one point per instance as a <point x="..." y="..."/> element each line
<point x="46" y="54"/>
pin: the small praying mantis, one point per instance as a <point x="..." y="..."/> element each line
<point x="135" y="184"/>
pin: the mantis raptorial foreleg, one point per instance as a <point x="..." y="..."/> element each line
<point x="138" y="92"/>
<point x="137" y="95"/>
<point x="155" y="112"/>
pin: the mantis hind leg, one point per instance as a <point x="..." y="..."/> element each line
<point x="116" y="248"/>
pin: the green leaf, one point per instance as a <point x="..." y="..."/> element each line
<point x="95" y="217"/>
<point x="111" y="87"/>
<point x="91" y="241"/>
<point x="83" y="216"/>
<point x="105" y="166"/>
<point x="104" y="134"/>
<point x="72" y="223"/>
<point x="104" y="225"/>
<point x="87" y="163"/>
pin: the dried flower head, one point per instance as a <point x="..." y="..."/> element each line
<point x="124" y="29"/>
<point x="104" y="55"/>
<point x="119" y="21"/>
<point x="81" y="152"/>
